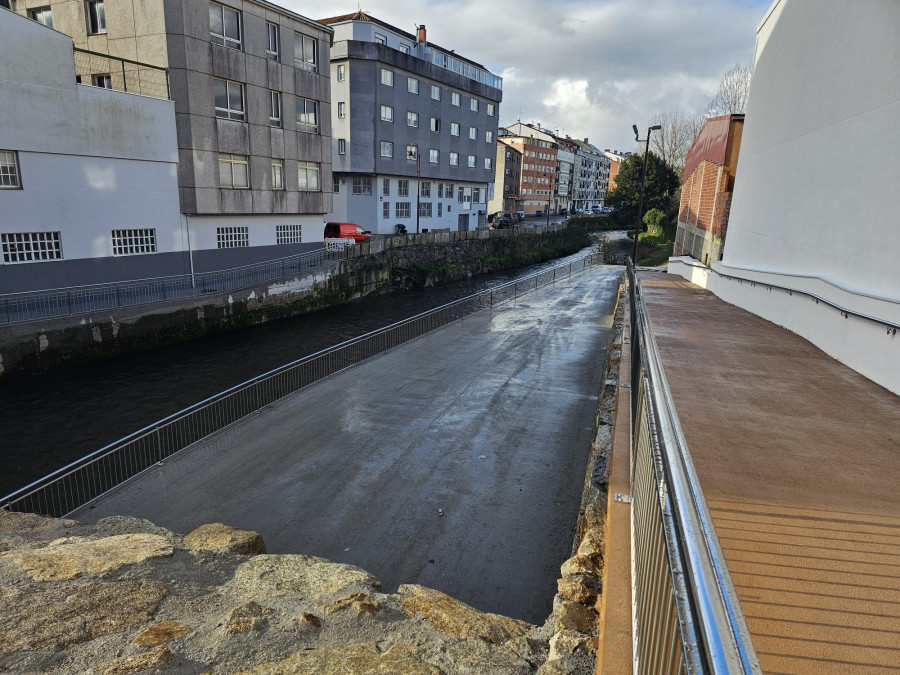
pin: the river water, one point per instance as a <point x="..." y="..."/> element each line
<point x="53" y="418"/>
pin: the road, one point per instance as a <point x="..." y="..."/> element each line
<point x="456" y="461"/>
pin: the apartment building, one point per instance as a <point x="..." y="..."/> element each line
<point x="509" y="175"/>
<point x="565" y="175"/>
<point x="538" y="176"/>
<point x="250" y="85"/>
<point x="591" y="175"/>
<point x="616" y="158"/>
<point x="414" y="124"/>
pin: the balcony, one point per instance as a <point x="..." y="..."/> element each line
<point x="112" y="72"/>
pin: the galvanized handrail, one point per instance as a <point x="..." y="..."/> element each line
<point x="53" y="303"/>
<point x="713" y="634"/>
<point x="72" y="486"/>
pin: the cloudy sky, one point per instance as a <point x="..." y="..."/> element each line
<point x="590" y="68"/>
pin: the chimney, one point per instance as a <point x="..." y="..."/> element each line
<point x="586" y="140"/>
<point x="421" y="39"/>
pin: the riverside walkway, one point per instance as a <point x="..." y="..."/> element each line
<point x="798" y="457"/>
<point x="456" y="461"/>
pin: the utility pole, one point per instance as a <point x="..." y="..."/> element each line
<point x="637" y="225"/>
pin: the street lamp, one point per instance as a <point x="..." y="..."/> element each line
<point x="418" y="176"/>
<point x="637" y="225"/>
<point x="549" y="196"/>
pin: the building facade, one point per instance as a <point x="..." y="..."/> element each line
<point x="413" y="124"/>
<point x="591" y="175"/>
<point x="538" y="176"/>
<point x="709" y="172"/>
<point x="509" y="175"/>
<point x="616" y="158"/>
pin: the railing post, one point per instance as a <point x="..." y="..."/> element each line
<point x="124" y="81"/>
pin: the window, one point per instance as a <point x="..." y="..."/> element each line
<point x="96" y="17"/>
<point x="435" y="92"/>
<point x="440" y="209"/>
<point x="380" y="39"/>
<point x="387" y="149"/>
<point x="412" y="119"/>
<point x="454" y="98"/>
<point x="473" y="105"/>
<point x="274" y="108"/>
<point x="488" y="136"/>
<point x="305" y="52"/>
<point x="385" y="209"/>
<point x="440" y="190"/>
<point x="102" y="81"/>
<point x="412" y="85"/>
<point x="403" y="188"/>
<point x="386" y="186"/>
<point x="277" y="174"/>
<point x="307" y="116"/>
<point x="41" y="15"/>
<point x="229" y="99"/>
<point x="341" y="72"/>
<point x="425" y="209"/>
<point x="387" y="113"/>
<point x="434" y="156"/>
<point x="476" y="195"/>
<point x="232" y="237"/>
<point x="488" y="163"/>
<point x="449" y="190"/>
<point x="471" y="161"/>
<point x="473" y="133"/>
<point x="342" y="146"/>
<point x="272" y="41"/>
<point x="224" y="26"/>
<point x="387" y="77"/>
<point x="30" y="246"/>
<point x="134" y="242"/>
<point x="454" y="159"/>
<point x="335" y="183"/>
<point x="412" y="152"/>
<point x="233" y="171"/>
<point x="404" y="48"/>
<point x="425" y="188"/>
<point x="490" y="109"/>
<point x="402" y="210"/>
<point x="435" y="124"/>
<point x="308" y="177"/>
<point x="9" y="170"/>
<point x="342" y="109"/>
<point x="454" y="128"/>
<point x="362" y="185"/>
<point x="289" y="234"/>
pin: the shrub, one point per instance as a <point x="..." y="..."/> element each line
<point x="655" y="220"/>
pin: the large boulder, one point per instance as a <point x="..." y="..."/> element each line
<point x="221" y="537"/>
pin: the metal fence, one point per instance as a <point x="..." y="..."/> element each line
<point x="50" y="304"/>
<point x="113" y="72"/>
<point x="73" y="486"/>
<point x="686" y="616"/>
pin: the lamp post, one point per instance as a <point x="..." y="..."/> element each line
<point x="549" y="196"/>
<point x="637" y="225"/>
<point x="418" y="176"/>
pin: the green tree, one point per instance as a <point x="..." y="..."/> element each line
<point x="659" y="193"/>
<point x="655" y="220"/>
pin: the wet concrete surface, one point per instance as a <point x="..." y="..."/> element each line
<point x="487" y="421"/>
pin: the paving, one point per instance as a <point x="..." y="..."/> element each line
<point x="456" y="461"/>
<point x="798" y="456"/>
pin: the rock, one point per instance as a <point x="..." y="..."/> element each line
<point x="298" y="576"/>
<point x="363" y="603"/>
<point x="455" y="618"/>
<point x="573" y="616"/>
<point x="581" y="564"/>
<point x="555" y="667"/>
<point x="156" y="658"/>
<point x="591" y="545"/>
<point x="221" y="537"/>
<point x="55" y="617"/>
<point x="307" y="619"/>
<point x="246" y="617"/>
<point x="566" y="642"/>
<point x="33" y="527"/>
<point x="364" y="659"/>
<point x="113" y="525"/>
<point x="70" y="558"/>
<point x="580" y="588"/>
<point x="164" y="631"/>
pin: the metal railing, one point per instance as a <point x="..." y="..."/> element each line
<point x="686" y="617"/>
<point x="69" y="488"/>
<point x="113" y="72"/>
<point x="55" y="303"/>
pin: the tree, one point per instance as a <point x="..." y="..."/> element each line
<point x="676" y="136"/>
<point x="659" y="193"/>
<point x="734" y="89"/>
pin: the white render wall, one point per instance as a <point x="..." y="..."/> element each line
<point x="815" y="205"/>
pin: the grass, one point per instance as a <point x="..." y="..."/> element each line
<point x="654" y="250"/>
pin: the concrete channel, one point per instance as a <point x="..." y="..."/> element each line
<point x="456" y="461"/>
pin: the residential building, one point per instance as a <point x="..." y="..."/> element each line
<point x="563" y="187"/>
<point x="709" y="172"/>
<point x="616" y="158"/>
<point x="250" y="84"/>
<point x="414" y="123"/>
<point x="509" y="174"/>
<point x="88" y="187"/>
<point x="591" y="175"/>
<point x="538" y="176"/>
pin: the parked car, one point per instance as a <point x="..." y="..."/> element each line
<point x="520" y="216"/>
<point x="596" y="209"/>
<point x="347" y="231"/>
<point x="503" y="222"/>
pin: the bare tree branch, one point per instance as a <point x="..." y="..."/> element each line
<point x="734" y="89"/>
<point x="676" y="136"/>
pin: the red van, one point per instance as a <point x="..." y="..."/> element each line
<point x="347" y="231"/>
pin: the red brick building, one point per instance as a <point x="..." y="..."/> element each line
<point x="538" y="174"/>
<point x="709" y="172"/>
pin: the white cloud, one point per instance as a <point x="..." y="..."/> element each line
<point x="590" y="68"/>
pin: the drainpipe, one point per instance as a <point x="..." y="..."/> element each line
<point x="187" y="222"/>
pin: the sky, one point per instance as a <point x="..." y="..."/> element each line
<point x="588" y="68"/>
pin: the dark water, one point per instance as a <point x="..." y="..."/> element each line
<point x="54" y="418"/>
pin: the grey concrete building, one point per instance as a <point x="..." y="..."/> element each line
<point x="590" y="176"/>
<point x="412" y="123"/>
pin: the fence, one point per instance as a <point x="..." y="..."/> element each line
<point x="50" y="304"/>
<point x="113" y="72"/>
<point x="73" y="486"/>
<point x="686" y="618"/>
